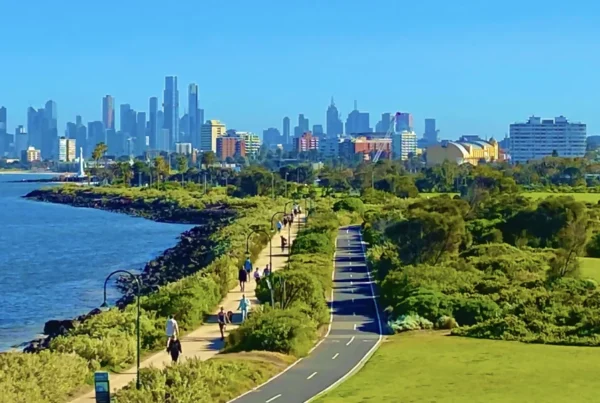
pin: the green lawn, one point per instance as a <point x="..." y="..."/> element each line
<point x="583" y="197"/>
<point x="431" y="367"/>
<point x="590" y="268"/>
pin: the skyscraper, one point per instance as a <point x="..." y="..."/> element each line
<point x="303" y="126"/>
<point x="34" y="127"/>
<point x="286" y="130"/>
<point x="195" y="123"/>
<point x="140" y="134"/>
<point x="49" y="131"/>
<point x="431" y="133"/>
<point x="335" y="126"/>
<point x="357" y="122"/>
<point x="154" y="128"/>
<point x="4" y="139"/>
<point x="108" y="112"/>
<point x="171" y="110"/>
<point x="272" y="137"/>
<point x="404" y="122"/>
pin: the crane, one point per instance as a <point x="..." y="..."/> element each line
<point x="391" y="130"/>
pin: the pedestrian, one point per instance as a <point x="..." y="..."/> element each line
<point x="223" y="319"/>
<point x="243" y="277"/>
<point x="283" y="242"/>
<point x="266" y="272"/>
<point x="174" y="348"/>
<point x="257" y="276"/>
<point x="279" y="226"/>
<point x="244" y="307"/>
<point x="172" y="328"/>
<point x="248" y="265"/>
<point x="285" y="221"/>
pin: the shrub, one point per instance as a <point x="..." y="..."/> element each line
<point x="287" y="331"/>
<point x="313" y="243"/>
<point x="352" y="204"/>
<point x="42" y="378"/>
<point x="406" y="323"/>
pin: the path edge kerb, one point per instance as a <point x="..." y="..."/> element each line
<point x="373" y="349"/>
<point x="331" y="299"/>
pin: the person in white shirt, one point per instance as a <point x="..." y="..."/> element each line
<point x="172" y="328"/>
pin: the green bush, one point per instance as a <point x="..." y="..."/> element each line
<point x="352" y="204"/>
<point x="41" y="378"/>
<point x="313" y="243"/>
<point x="287" y="331"/>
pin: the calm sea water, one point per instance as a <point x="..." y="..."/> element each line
<point x="54" y="258"/>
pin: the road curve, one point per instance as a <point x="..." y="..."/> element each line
<point x="354" y="334"/>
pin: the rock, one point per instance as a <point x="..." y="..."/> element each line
<point x="54" y="328"/>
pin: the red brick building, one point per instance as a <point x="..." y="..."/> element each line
<point x="230" y="146"/>
<point x="306" y="142"/>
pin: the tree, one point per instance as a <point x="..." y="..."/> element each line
<point x="123" y="171"/>
<point x="98" y="153"/>
<point x="253" y="181"/>
<point x="182" y="166"/>
<point x="572" y="239"/>
<point x="209" y="158"/>
<point x="161" y="168"/>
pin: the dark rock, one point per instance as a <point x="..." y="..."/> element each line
<point x="54" y="328"/>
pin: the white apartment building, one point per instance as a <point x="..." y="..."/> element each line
<point x="66" y="150"/>
<point x="252" y="142"/>
<point x="183" y="148"/>
<point x="404" y="143"/>
<point x="539" y="138"/>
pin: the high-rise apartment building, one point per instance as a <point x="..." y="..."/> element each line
<point x="230" y="146"/>
<point x="539" y="138"/>
<point x="171" y="110"/>
<point x="31" y="155"/>
<point x="66" y="150"/>
<point x="286" y="130"/>
<point x="211" y="130"/>
<point x="252" y="142"/>
<point x="404" y="144"/>
<point x="108" y="112"/>
<point x="306" y="142"/>
<point x="153" y="127"/>
<point x="335" y="127"/>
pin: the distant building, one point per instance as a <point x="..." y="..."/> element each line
<point x="183" y="148"/>
<point x="252" y="142"/>
<point x="303" y="126"/>
<point x="211" y="131"/>
<point x="335" y="127"/>
<point x="21" y="140"/>
<point x="404" y="144"/>
<point x="31" y="155"/>
<point x="357" y="122"/>
<point x="66" y="150"/>
<point x="318" y="130"/>
<point x="230" y="146"/>
<point x="539" y="138"/>
<point x="306" y="142"/>
<point x="272" y="138"/>
<point x="171" y="110"/>
<point x="469" y="149"/>
<point x="329" y="146"/>
<point x="286" y="131"/>
<point x="404" y="122"/>
<point x="431" y="133"/>
<point x="108" y="112"/>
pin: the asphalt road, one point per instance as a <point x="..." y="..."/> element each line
<point x="355" y="332"/>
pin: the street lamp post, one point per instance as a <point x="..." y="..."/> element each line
<point x="137" y="324"/>
<point x="273" y="185"/>
<point x="257" y="231"/>
<point x="286" y="176"/>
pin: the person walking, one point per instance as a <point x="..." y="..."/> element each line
<point x="243" y="277"/>
<point x="285" y="222"/>
<point x="257" y="276"/>
<point x="244" y="307"/>
<point x="267" y="271"/>
<point x="248" y="266"/>
<point x="279" y="226"/>
<point x="172" y="328"/>
<point x="174" y="348"/>
<point x="223" y="320"/>
<point x="283" y="243"/>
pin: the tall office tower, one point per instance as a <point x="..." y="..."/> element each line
<point x="335" y="127"/>
<point x="211" y="130"/>
<point x="184" y="129"/>
<point x="539" y="138"/>
<point x="124" y="113"/>
<point x="384" y="124"/>
<point x="4" y="139"/>
<point x="404" y="122"/>
<point x="194" y="123"/>
<point x="34" y="127"/>
<point x="153" y="127"/>
<point x="303" y="126"/>
<point x="286" y="131"/>
<point x="141" y="143"/>
<point x="171" y="110"/>
<point x="357" y="122"/>
<point x="317" y="130"/>
<point x="49" y="148"/>
<point x="21" y="140"/>
<point x="272" y="137"/>
<point x="162" y="136"/>
<point x="96" y="134"/>
<point x="108" y="112"/>
<point x="431" y="133"/>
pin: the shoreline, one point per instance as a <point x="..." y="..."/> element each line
<point x="204" y="223"/>
<point x="27" y="173"/>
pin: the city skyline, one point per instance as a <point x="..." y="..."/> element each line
<point x="476" y="68"/>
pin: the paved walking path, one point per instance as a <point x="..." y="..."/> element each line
<point x="205" y="342"/>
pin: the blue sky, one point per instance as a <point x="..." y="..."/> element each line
<point x="474" y="66"/>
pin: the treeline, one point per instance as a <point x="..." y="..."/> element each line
<point x="493" y="264"/>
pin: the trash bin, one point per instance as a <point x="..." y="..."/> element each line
<point x="102" y="387"/>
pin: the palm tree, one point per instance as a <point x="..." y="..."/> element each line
<point x="182" y="165"/>
<point x="98" y="153"/>
<point x="161" y="167"/>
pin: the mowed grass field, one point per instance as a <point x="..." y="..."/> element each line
<point x="590" y="268"/>
<point x="582" y="197"/>
<point x="432" y="367"/>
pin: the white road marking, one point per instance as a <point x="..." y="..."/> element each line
<point x="333" y="358"/>
<point x="347" y="231"/>
<point x="351" y="276"/>
<point x="352" y="300"/>
<point x="351" y="283"/>
<point x="273" y="398"/>
<point x="354" y="329"/>
<point x="311" y="375"/>
<point x="352" y="290"/>
<point x="352" y="339"/>
<point x="353" y="313"/>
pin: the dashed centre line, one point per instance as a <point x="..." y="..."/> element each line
<point x="333" y="358"/>
<point x="352" y="339"/>
<point x="354" y="329"/>
<point x="311" y="375"/>
<point x="273" y="398"/>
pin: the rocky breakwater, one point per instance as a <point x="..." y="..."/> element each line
<point x="195" y="249"/>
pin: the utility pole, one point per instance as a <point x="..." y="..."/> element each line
<point x="204" y="182"/>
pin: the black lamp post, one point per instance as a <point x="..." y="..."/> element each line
<point x="261" y="231"/>
<point x="137" y="324"/>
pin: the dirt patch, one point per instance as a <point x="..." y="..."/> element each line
<point x="278" y="359"/>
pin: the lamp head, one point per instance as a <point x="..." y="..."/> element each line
<point x="104" y="306"/>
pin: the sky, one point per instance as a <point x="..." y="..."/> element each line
<point x="474" y="66"/>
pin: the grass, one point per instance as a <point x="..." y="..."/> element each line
<point x="432" y="367"/>
<point x="590" y="268"/>
<point x="582" y="197"/>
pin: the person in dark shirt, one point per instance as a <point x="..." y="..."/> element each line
<point x="242" y="277"/>
<point x="174" y="348"/>
<point x="223" y="320"/>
